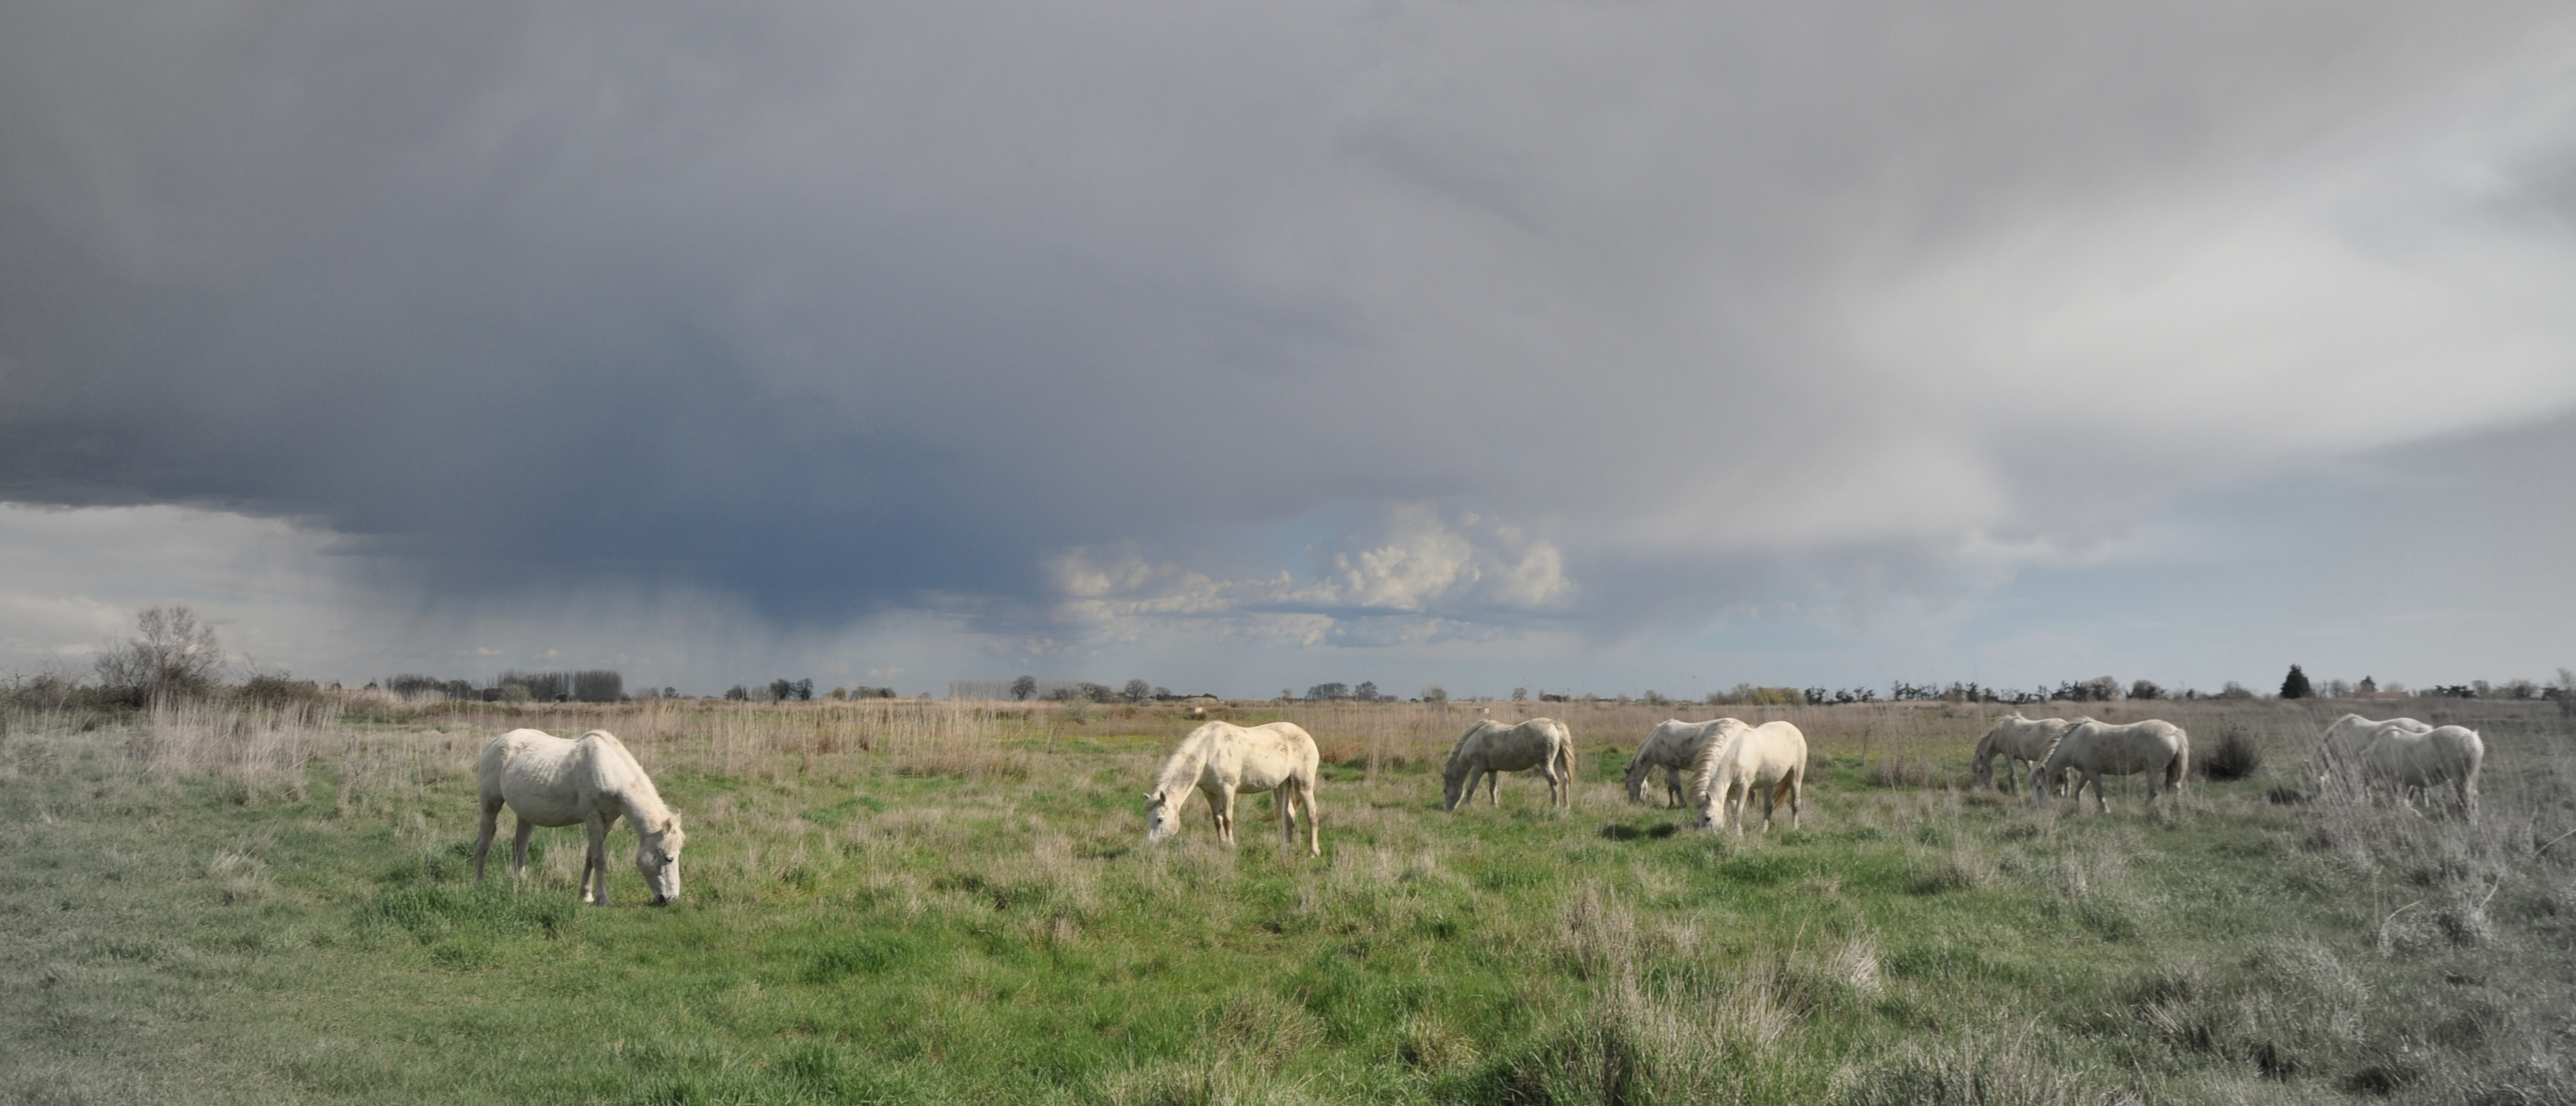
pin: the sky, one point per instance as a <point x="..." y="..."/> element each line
<point x="1577" y="347"/>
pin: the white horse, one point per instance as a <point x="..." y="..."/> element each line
<point x="2020" y="741"/>
<point x="1490" y="748"/>
<point x="1738" y="760"/>
<point x="2338" y="750"/>
<point x="1223" y="759"/>
<point x="2407" y="761"/>
<point x="1673" y="747"/>
<point x="2098" y="749"/>
<point x="548" y="781"/>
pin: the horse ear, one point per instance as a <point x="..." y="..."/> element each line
<point x="1153" y="796"/>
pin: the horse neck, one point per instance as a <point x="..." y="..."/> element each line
<point x="1469" y="744"/>
<point x="630" y="787"/>
<point x="642" y="803"/>
<point x="1181" y="773"/>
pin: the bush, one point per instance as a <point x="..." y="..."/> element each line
<point x="278" y="690"/>
<point x="174" y="655"/>
<point x="2234" y="757"/>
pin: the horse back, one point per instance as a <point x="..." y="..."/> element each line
<point x="536" y="773"/>
<point x="1263" y="757"/>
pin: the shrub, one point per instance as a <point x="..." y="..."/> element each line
<point x="2234" y="757"/>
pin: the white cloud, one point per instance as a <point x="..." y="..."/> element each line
<point x="1412" y="576"/>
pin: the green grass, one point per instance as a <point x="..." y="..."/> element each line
<point x="878" y="927"/>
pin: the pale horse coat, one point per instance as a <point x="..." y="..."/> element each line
<point x="2160" y="750"/>
<point x="1738" y="760"/>
<point x="2336" y="762"/>
<point x="548" y="781"/>
<point x="2022" y="742"/>
<point x="1674" y="747"/>
<point x="1490" y="748"/>
<point x="1220" y="760"/>
<point x="2405" y="761"/>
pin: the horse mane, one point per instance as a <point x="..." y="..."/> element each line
<point x="1459" y="750"/>
<point x="1181" y="770"/>
<point x="643" y="802"/>
<point x="1710" y="747"/>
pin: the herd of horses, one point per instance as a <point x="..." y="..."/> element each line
<point x="1718" y="766"/>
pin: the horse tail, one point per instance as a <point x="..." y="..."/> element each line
<point x="2179" y="767"/>
<point x="1565" y="761"/>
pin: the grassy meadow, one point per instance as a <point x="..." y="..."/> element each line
<point x="896" y="902"/>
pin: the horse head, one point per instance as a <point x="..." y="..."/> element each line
<point x="1162" y="817"/>
<point x="1638" y="770"/>
<point x="657" y="856"/>
<point x="1453" y="776"/>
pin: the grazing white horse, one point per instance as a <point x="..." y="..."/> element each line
<point x="1223" y="759"/>
<point x="2407" y="761"/>
<point x="1490" y="748"/>
<point x="2019" y="741"/>
<point x="1738" y="760"/>
<point x="1673" y="747"/>
<point x="2337" y="752"/>
<point x="548" y="781"/>
<point x="2097" y="749"/>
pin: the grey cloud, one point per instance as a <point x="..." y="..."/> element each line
<point x="850" y="310"/>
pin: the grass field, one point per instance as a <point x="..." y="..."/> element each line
<point x="927" y="902"/>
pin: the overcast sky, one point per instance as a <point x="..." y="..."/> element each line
<point x="1569" y="346"/>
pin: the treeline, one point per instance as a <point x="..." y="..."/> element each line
<point x="590" y="685"/>
<point x="799" y="691"/>
<point x="1028" y="688"/>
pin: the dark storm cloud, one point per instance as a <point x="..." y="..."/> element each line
<point x="845" y="308"/>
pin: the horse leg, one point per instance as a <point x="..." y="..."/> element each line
<point x="595" y="860"/>
<point x="1493" y="789"/>
<point x="2099" y="796"/>
<point x="1797" y="795"/>
<point x="1285" y="798"/>
<point x="1314" y="821"/>
<point x="1225" y="821"/>
<point x="519" y="847"/>
<point x="491" y="824"/>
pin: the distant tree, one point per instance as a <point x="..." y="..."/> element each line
<point x="738" y="693"/>
<point x="1024" y="687"/>
<point x="2337" y="689"/>
<point x="1322" y="692"/>
<point x="2563" y="690"/>
<point x="2295" y="685"/>
<point x="2367" y="686"/>
<point x="1520" y="695"/>
<point x="1161" y="692"/>
<point x="170" y="654"/>
<point x="2146" y="689"/>
<point x="1435" y="694"/>
<point x="1366" y="692"/>
<point x="1138" y="690"/>
<point x="2234" y="690"/>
